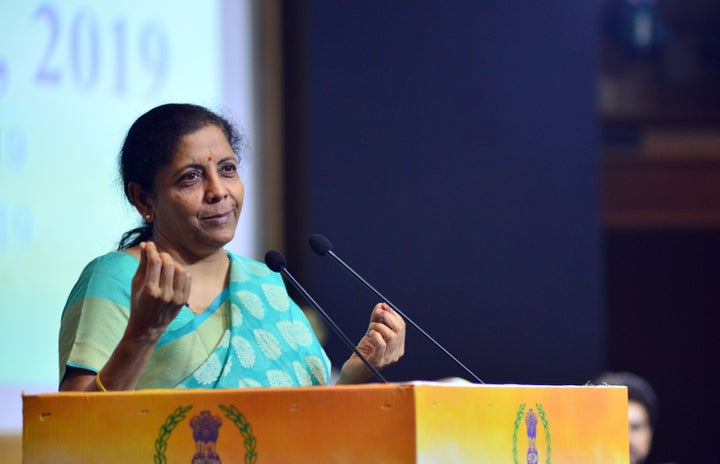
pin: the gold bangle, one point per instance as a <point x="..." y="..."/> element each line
<point x="99" y="384"/>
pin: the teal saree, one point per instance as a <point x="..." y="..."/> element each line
<point x="252" y="335"/>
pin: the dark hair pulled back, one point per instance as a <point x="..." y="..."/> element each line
<point x="150" y="145"/>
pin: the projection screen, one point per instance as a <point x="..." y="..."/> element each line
<point x="73" y="76"/>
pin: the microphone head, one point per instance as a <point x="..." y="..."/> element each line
<point x="275" y="260"/>
<point x="320" y="244"/>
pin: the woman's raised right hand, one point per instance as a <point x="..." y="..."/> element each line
<point x="160" y="288"/>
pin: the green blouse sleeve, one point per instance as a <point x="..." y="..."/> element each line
<point x="96" y="312"/>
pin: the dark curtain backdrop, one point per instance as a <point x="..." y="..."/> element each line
<point x="449" y="150"/>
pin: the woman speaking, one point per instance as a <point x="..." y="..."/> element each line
<point x="171" y="308"/>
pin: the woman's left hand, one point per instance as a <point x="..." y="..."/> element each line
<point x="382" y="345"/>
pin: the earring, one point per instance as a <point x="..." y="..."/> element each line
<point x="147" y="218"/>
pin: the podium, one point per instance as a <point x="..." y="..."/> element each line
<point x="417" y="422"/>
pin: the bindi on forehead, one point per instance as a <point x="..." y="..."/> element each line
<point x="209" y="156"/>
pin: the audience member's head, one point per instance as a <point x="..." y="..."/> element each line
<point x="642" y="411"/>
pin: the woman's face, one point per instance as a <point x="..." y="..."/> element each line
<point x="198" y="196"/>
<point x="640" y="432"/>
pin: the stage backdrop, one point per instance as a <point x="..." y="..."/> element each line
<point x="453" y="160"/>
<point x="73" y="77"/>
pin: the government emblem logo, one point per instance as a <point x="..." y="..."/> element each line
<point x="205" y="431"/>
<point x="528" y="445"/>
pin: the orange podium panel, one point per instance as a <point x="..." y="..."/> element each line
<point x="378" y="423"/>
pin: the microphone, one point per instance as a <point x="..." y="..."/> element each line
<point x="276" y="262"/>
<point x="322" y="246"/>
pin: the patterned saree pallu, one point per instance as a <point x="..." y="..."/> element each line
<point x="419" y="422"/>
